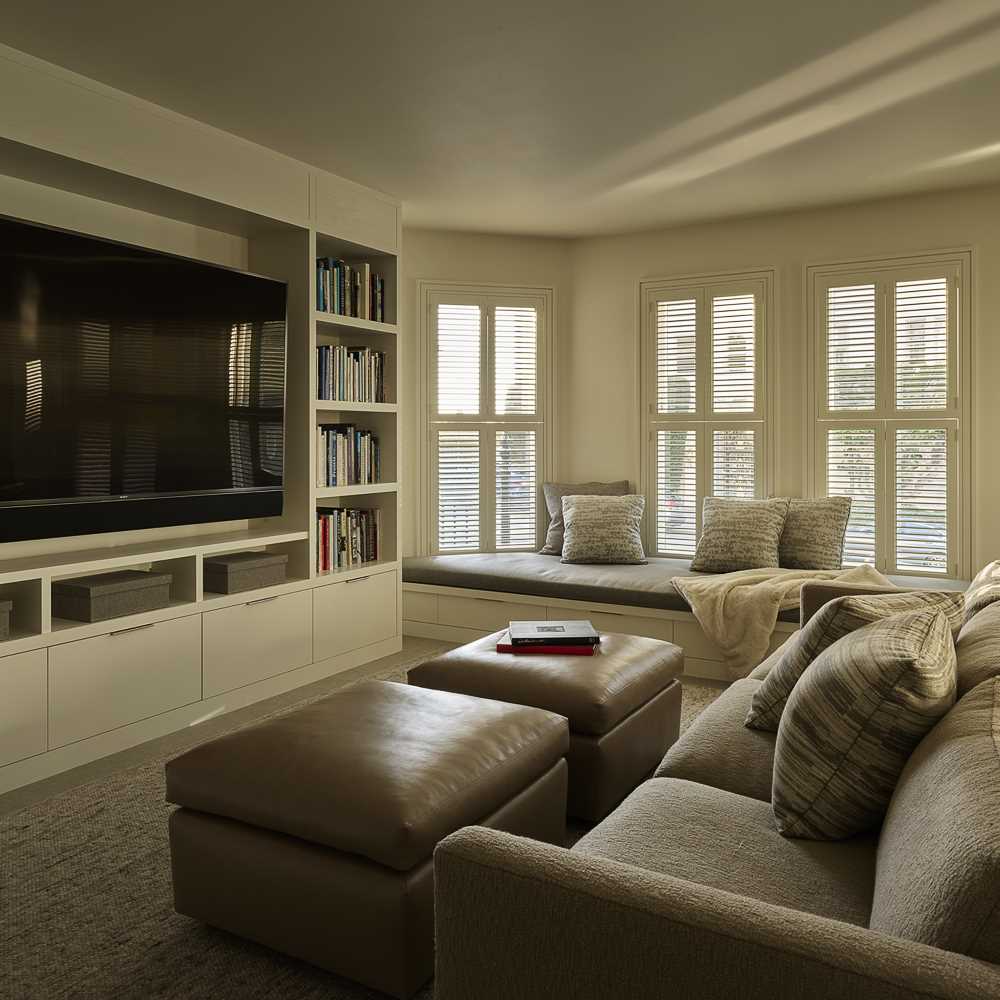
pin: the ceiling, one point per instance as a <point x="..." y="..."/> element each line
<point x="568" y="117"/>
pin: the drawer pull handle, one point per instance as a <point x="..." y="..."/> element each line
<point x="262" y="600"/>
<point x="136" y="628"/>
<point x="358" y="579"/>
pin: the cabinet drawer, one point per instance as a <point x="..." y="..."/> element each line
<point x="608" y="621"/>
<point x="482" y="613"/>
<point x="111" y="680"/>
<point x="353" y="614"/>
<point x="22" y="705"/>
<point x="419" y="607"/>
<point x="250" y="642"/>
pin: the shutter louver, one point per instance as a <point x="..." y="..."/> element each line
<point x="676" y="351"/>
<point x="850" y="471"/>
<point x="922" y="344"/>
<point x="921" y="513"/>
<point x="676" y="491"/>
<point x="516" y="514"/>
<point x="458" y="342"/>
<point x="851" y="347"/>
<point x="515" y="359"/>
<point x="458" y="490"/>
<point x="734" y="464"/>
<point x="733" y="354"/>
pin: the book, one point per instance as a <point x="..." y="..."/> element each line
<point x="553" y="633"/>
<point x="505" y="646"/>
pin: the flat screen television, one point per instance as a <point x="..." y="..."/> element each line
<point x="137" y="389"/>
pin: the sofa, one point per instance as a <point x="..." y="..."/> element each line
<point x="688" y="890"/>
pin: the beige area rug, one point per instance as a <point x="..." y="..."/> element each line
<point x="85" y="900"/>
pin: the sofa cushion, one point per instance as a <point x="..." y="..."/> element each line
<point x="854" y="718"/>
<point x="727" y="841"/>
<point x="379" y="769"/>
<point x="832" y="622"/>
<point x="603" y="529"/>
<point x="939" y="853"/>
<point x="813" y="533"/>
<point x="739" y="534"/>
<point x="984" y="589"/>
<point x="978" y="649"/>
<point x="554" y="493"/>
<point x="718" y="750"/>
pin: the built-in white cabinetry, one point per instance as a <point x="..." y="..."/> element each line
<point x="256" y="640"/>
<point x="22" y="706"/>
<point x="112" y="680"/>
<point x="354" y="613"/>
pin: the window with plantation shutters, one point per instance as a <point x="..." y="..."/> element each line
<point x="703" y="404"/>
<point x="889" y="410"/>
<point x="486" y="421"/>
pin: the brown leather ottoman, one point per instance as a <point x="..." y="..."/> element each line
<point x="313" y="832"/>
<point x="623" y="705"/>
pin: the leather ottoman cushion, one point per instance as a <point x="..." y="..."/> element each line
<point x="594" y="692"/>
<point x="382" y="770"/>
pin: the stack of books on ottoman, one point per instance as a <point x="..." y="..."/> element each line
<point x="548" y="637"/>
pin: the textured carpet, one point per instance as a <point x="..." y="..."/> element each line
<point x="86" y="912"/>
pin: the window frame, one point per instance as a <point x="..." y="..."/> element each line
<point x="704" y="420"/>
<point x="957" y="417"/>
<point x="487" y="296"/>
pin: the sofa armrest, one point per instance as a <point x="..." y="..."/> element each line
<point x="518" y="918"/>
<point x="816" y="593"/>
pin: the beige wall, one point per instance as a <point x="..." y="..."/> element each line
<point x="597" y="367"/>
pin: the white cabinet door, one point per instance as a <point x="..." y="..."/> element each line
<point x="100" y="684"/>
<point x="22" y="705"/>
<point x="354" y="613"/>
<point x="250" y="642"/>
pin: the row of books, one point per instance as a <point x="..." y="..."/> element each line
<point x="349" y="290"/>
<point x="570" y="638"/>
<point x="347" y="538"/>
<point x="346" y="456"/>
<point x="350" y="374"/>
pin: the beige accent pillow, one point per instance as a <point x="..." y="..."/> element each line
<point x="739" y="534"/>
<point x="832" y="622"/>
<point x="603" y="529"/>
<point x="984" y="589"/>
<point x="978" y="649"/>
<point x="554" y="493"/>
<point x="813" y="533"/>
<point x="853" y="720"/>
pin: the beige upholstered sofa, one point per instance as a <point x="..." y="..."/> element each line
<point x="687" y="889"/>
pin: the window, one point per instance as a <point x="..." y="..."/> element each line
<point x="703" y="399"/>
<point x="888" y="407"/>
<point x="486" y="421"/>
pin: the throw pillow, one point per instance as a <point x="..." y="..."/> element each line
<point x="554" y="493"/>
<point x="832" y="622"/>
<point x="603" y="529"/>
<point x="978" y="649"/>
<point x="739" y="534"/>
<point x="813" y="533"/>
<point x="984" y="589"/>
<point x="854" y="719"/>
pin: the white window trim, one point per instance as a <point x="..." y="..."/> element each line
<point x="961" y="261"/>
<point x="649" y="289"/>
<point x="428" y="291"/>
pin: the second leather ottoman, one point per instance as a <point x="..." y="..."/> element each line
<point x="623" y="705"/>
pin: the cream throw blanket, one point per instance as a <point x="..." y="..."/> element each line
<point x="738" y="611"/>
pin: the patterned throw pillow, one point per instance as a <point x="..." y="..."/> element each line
<point x="984" y="589"/>
<point x="832" y="622"/>
<point x="554" y="493"/>
<point x="603" y="529"/>
<point x="739" y="534"/>
<point x="813" y="534"/>
<point x="978" y="649"/>
<point x="854" y="719"/>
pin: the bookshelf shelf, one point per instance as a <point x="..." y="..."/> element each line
<point x="339" y="405"/>
<point x="326" y="319"/>
<point x="331" y="492"/>
<point x="365" y="569"/>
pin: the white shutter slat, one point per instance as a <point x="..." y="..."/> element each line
<point x="458" y="490"/>
<point x="734" y="463"/>
<point x="676" y="491"/>
<point x="921" y="515"/>
<point x="676" y="350"/>
<point x="850" y="471"/>
<point x="850" y="369"/>
<point x="922" y="344"/>
<point x="733" y="353"/>
<point x="515" y="359"/>
<point x="517" y="490"/>
<point x="458" y="343"/>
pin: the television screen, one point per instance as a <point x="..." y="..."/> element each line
<point x="132" y="378"/>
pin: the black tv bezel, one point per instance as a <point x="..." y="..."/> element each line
<point x="34" y="520"/>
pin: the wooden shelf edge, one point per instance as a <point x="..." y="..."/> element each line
<point x="335" y="405"/>
<point x="355" y="324"/>
<point x="329" y="492"/>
